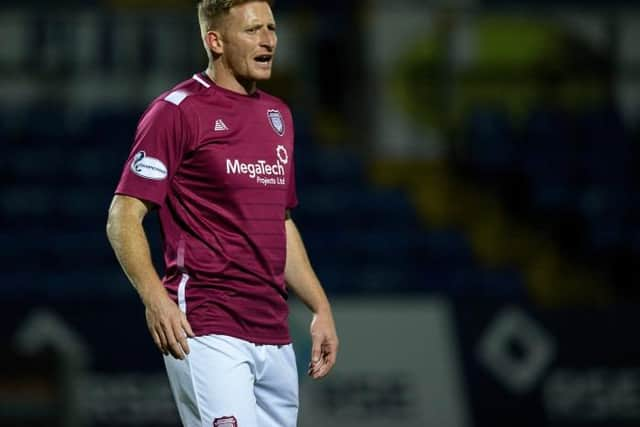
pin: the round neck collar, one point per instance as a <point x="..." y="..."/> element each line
<point x="204" y="76"/>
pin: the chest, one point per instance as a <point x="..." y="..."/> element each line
<point x="248" y="148"/>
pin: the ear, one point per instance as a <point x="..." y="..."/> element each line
<point x="213" y="40"/>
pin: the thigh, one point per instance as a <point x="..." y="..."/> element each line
<point x="213" y="386"/>
<point x="276" y="388"/>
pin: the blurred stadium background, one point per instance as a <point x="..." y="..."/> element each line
<point x="468" y="178"/>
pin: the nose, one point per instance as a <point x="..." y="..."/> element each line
<point x="268" y="39"/>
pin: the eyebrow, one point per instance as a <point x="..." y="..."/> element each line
<point x="261" y="24"/>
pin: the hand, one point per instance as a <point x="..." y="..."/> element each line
<point x="168" y="326"/>
<point x="324" y="345"/>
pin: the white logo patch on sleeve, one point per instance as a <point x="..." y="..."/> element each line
<point x="148" y="167"/>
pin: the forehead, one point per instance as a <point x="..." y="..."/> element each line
<point x="254" y="12"/>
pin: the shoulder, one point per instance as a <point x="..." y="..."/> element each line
<point x="168" y="109"/>
<point x="184" y="92"/>
<point x="185" y="101"/>
<point x="274" y="101"/>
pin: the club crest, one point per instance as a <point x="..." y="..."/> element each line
<point x="277" y="123"/>
<point x="225" y="422"/>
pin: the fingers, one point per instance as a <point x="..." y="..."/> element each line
<point x="323" y="368"/>
<point x="316" y="351"/>
<point x="157" y="340"/>
<point x="174" y="343"/>
<point x="177" y="333"/>
<point x="181" y="340"/>
<point x="319" y="368"/>
<point x="170" y="334"/>
<point x="330" y="360"/>
<point x="316" y="355"/>
<point x="316" y="369"/>
<point x="186" y="326"/>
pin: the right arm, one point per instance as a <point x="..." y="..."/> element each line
<point x="167" y="324"/>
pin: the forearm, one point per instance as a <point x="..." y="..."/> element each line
<point x="301" y="278"/>
<point x="168" y="326"/>
<point x="299" y="274"/>
<point x="129" y="242"/>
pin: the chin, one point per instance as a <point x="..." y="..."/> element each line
<point x="262" y="76"/>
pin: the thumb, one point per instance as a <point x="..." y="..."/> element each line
<point x="316" y="351"/>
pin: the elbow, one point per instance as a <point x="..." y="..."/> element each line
<point x="111" y="226"/>
<point x="125" y="214"/>
<point x="115" y="218"/>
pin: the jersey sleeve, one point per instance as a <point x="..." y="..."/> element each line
<point x="161" y="139"/>
<point x="292" y="196"/>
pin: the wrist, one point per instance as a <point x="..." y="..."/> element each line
<point x="149" y="295"/>
<point x="323" y="310"/>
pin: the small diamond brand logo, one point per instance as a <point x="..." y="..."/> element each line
<point x="282" y="154"/>
<point x="220" y="126"/>
<point x="512" y="327"/>
<point x="225" y="422"/>
<point x="275" y="118"/>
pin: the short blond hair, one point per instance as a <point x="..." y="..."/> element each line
<point x="211" y="12"/>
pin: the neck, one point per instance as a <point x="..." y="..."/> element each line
<point x="223" y="78"/>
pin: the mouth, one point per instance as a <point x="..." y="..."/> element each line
<point x="264" y="59"/>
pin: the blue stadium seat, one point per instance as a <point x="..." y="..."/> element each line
<point x="548" y="159"/>
<point x="605" y="151"/>
<point x="23" y="204"/>
<point x="100" y="165"/>
<point x="358" y="207"/>
<point x="490" y="141"/>
<point x="606" y="214"/>
<point x="37" y="164"/>
<point x="328" y="166"/>
<point x="113" y="128"/>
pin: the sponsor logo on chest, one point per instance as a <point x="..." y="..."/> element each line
<point x="264" y="172"/>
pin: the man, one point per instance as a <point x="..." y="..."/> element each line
<point x="215" y="157"/>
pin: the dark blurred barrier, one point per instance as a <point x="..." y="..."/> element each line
<point x="554" y="368"/>
<point x="82" y="364"/>
<point x="408" y="361"/>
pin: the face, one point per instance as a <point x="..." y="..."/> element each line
<point x="249" y="42"/>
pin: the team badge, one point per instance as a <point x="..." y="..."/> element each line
<point x="148" y="167"/>
<point x="275" y="118"/>
<point x="225" y="422"/>
<point x="282" y="154"/>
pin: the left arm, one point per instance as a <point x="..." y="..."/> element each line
<point x="301" y="278"/>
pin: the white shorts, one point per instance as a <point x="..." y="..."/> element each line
<point x="229" y="382"/>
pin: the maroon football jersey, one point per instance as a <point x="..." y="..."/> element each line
<point x="219" y="166"/>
